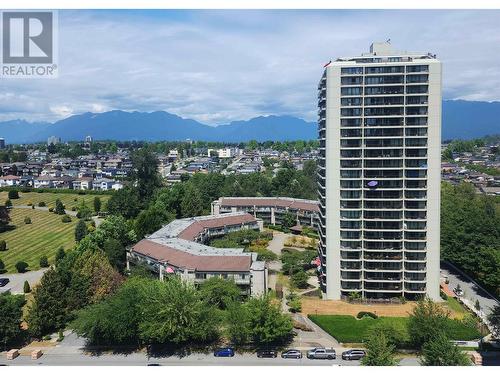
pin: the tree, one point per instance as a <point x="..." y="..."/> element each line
<point x="21" y="267"/>
<point x="299" y="279"/>
<point x="145" y="172"/>
<point x="219" y="292"/>
<point x="191" y="204"/>
<point x="289" y="220"/>
<point x="2" y="266"/>
<point x="84" y="212"/>
<point x="395" y="334"/>
<point x="124" y="202"/>
<point x="494" y="320"/>
<point x="427" y="321"/>
<point x="260" y="320"/>
<point x="183" y="316"/>
<point x="26" y="287"/>
<point x="151" y="220"/>
<point x="3" y="245"/>
<point x="115" y="253"/>
<point x="80" y="230"/>
<point x="379" y="351"/>
<point x="439" y="351"/>
<point x="59" y="209"/>
<point x="44" y="262"/>
<point x="60" y="254"/>
<point x="11" y="313"/>
<point x="97" y="204"/>
<point x="47" y="313"/>
<point x="13" y="194"/>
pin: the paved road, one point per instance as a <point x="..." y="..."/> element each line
<point x="16" y="284"/>
<point x="472" y="291"/>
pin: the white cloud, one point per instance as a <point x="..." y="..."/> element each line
<point x="219" y="66"/>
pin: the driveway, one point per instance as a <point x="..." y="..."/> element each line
<point x="16" y="283"/>
<point x="472" y="291"/>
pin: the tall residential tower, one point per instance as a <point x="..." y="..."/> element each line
<point x="379" y="174"/>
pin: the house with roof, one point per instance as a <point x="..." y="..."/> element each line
<point x="9" y="180"/>
<point x="179" y="248"/>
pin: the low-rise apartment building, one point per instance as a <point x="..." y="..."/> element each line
<point x="179" y="248"/>
<point x="270" y="209"/>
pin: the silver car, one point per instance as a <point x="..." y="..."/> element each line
<point x="321" y="353"/>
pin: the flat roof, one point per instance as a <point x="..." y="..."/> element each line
<point x="282" y="202"/>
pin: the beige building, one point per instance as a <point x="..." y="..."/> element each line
<point x="379" y="174"/>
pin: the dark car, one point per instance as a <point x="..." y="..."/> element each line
<point x="224" y="352"/>
<point x="267" y="353"/>
<point x="349" y="355"/>
<point x="4" y="281"/>
<point x="292" y="353"/>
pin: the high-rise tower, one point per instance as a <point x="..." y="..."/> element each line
<point x="379" y="174"/>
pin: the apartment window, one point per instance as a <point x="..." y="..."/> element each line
<point x="383" y="80"/>
<point x="351" y="80"/>
<point x="350" y="154"/>
<point x="417" y="78"/>
<point x="384" y="100"/>
<point x="355" y="70"/>
<point x="416" y="111"/>
<point x="376" y="132"/>
<point x="350" y="174"/>
<point x="384" y="111"/>
<point x="350" y="121"/>
<point x="421" y="99"/>
<point x="350" y="163"/>
<point x="350" y="112"/>
<point x="385" y="90"/>
<point x="350" y="133"/>
<point x="383" y="121"/>
<point x="350" y="224"/>
<point x="347" y="184"/>
<point x="417" y="68"/>
<point x="417" y="89"/>
<point x="416" y="142"/>
<point x="384" y="69"/>
<point x="351" y="91"/>
<point x="350" y="101"/>
<point x="350" y="214"/>
<point x="352" y="143"/>
<point x="416" y="121"/>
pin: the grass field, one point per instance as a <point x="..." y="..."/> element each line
<point x="28" y="242"/>
<point x="69" y="200"/>
<point x="348" y="329"/>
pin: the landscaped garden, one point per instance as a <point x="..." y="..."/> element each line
<point x="29" y="241"/>
<point x="250" y="240"/>
<point x="349" y="329"/>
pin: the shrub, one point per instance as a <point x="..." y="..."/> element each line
<point x="21" y="267"/>
<point x="27" y="220"/>
<point x="60" y="254"/>
<point x="41" y="204"/>
<point x="26" y="287"/>
<point x="2" y="266"/>
<point x="51" y="209"/>
<point x="60" y="335"/>
<point x="294" y="305"/>
<point x="8" y="203"/>
<point x="13" y="194"/>
<point x="3" y="245"/>
<point x="29" y="203"/>
<point x="299" y="280"/>
<point x="66" y="219"/>
<point x="73" y="208"/>
<point x="366" y="314"/>
<point x="44" y="262"/>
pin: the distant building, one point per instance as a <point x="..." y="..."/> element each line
<point x="88" y="139"/>
<point x="53" y="140"/>
<point x="2" y="143"/>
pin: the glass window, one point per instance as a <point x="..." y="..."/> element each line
<point x="351" y="91"/>
<point x="355" y="70"/>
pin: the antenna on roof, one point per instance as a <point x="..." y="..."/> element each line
<point x="388" y="40"/>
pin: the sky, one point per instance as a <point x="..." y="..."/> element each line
<point x="221" y="66"/>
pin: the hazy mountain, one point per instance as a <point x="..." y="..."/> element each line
<point x="461" y="119"/>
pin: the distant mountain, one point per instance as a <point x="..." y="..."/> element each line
<point x="461" y="119"/>
<point x="467" y="119"/>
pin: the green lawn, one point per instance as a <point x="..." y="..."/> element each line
<point x="28" y="242"/>
<point x="69" y="200"/>
<point x="348" y="329"/>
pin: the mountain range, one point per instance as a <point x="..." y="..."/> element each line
<point x="461" y="120"/>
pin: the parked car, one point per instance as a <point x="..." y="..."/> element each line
<point x="321" y="353"/>
<point x="292" y="353"/>
<point x="4" y="281"/>
<point x="224" y="352"/>
<point x="349" y="355"/>
<point x="267" y="353"/>
<point x="458" y="291"/>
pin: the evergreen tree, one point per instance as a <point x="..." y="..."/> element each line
<point x="26" y="287"/>
<point x="441" y="352"/>
<point x="80" y="230"/>
<point x="60" y="254"/>
<point x="494" y="320"/>
<point x="379" y="351"/>
<point x="44" y="262"/>
<point x="97" y="204"/>
<point x="191" y="204"/>
<point x="11" y="311"/>
<point x="59" y="209"/>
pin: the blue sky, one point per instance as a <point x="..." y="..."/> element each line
<point x="220" y="66"/>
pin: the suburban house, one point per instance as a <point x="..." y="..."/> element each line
<point x="9" y="180"/>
